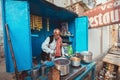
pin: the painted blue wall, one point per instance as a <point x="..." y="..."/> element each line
<point x="37" y="41"/>
<point x="17" y="18"/>
<point x="42" y="35"/>
<point x="81" y="34"/>
<point x="78" y="27"/>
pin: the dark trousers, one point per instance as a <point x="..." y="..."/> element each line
<point x="45" y="56"/>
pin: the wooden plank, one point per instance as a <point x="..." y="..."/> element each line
<point x="112" y="59"/>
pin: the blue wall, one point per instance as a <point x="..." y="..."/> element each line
<point x="42" y="35"/>
<point x="37" y="41"/>
<point x="55" y="14"/>
<point x="81" y="34"/>
<point x="17" y="18"/>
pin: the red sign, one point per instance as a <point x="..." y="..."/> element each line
<point x="106" y="14"/>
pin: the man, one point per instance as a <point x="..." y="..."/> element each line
<point x="52" y="46"/>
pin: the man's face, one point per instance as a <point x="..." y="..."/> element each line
<point x="56" y="34"/>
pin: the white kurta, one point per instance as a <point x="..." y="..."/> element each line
<point x="50" y="48"/>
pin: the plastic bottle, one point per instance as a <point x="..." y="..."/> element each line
<point x="70" y="50"/>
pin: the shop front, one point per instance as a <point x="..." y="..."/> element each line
<point x="30" y="22"/>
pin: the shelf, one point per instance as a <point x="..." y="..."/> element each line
<point x="67" y="36"/>
<point x="64" y="41"/>
<point x="34" y="35"/>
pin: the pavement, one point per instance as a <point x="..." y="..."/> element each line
<point x="3" y="74"/>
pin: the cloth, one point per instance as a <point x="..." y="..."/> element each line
<point x="58" y="47"/>
<point x="50" y="48"/>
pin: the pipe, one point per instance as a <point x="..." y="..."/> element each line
<point x="12" y="52"/>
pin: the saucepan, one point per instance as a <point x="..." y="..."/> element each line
<point x="75" y="61"/>
<point x="62" y="64"/>
<point x="87" y="56"/>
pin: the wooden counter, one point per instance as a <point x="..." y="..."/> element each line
<point x="115" y="60"/>
<point x="112" y="59"/>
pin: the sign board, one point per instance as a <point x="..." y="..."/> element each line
<point x="106" y="14"/>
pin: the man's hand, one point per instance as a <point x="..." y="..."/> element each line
<point x="64" y="44"/>
<point x="53" y="54"/>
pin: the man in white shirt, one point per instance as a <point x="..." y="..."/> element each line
<point x="52" y="46"/>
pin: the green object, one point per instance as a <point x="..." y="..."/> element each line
<point x="70" y="50"/>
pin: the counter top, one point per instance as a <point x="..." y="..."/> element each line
<point x="78" y="73"/>
<point x="74" y="71"/>
<point x="112" y="59"/>
<point x="89" y="68"/>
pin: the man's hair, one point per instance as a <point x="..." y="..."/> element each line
<point x="57" y="30"/>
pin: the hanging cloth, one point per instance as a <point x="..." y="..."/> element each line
<point x="58" y="47"/>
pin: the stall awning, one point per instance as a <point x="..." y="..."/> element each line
<point x="49" y="10"/>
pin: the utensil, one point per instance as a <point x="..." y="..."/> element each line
<point x="87" y="56"/>
<point x="75" y="61"/>
<point x="62" y="64"/>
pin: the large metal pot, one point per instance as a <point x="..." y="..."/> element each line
<point x="62" y="64"/>
<point x="87" y="56"/>
<point x="75" y="61"/>
<point x="35" y="73"/>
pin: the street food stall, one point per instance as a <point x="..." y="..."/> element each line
<point x="28" y="24"/>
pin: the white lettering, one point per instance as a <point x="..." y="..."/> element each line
<point x="100" y="19"/>
<point x="91" y="21"/>
<point x="95" y="21"/>
<point x="106" y="18"/>
<point x="103" y="7"/>
<point x="114" y="15"/>
<point x="117" y="3"/>
<point x="110" y="5"/>
<point x="110" y="15"/>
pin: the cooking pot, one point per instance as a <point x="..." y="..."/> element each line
<point x="62" y="64"/>
<point x="87" y="56"/>
<point x="35" y="73"/>
<point x="75" y="61"/>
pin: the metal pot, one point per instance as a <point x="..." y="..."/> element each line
<point x="87" y="56"/>
<point x="35" y="73"/>
<point x="75" y="61"/>
<point x="62" y="64"/>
